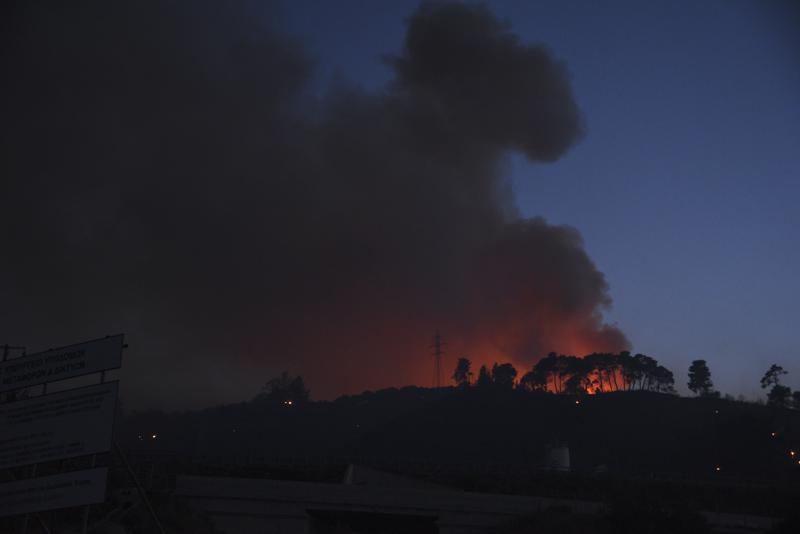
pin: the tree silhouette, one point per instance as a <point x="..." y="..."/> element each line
<point x="284" y="389"/>
<point x="628" y="369"/>
<point x="779" y="396"/>
<point x="551" y="367"/>
<point x="663" y="380"/>
<point x="462" y="375"/>
<point x="645" y="371"/>
<point x="546" y="369"/>
<point x="533" y="380"/>
<point x="609" y="366"/>
<point x="503" y="375"/>
<point x="484" y="378"/>
<point x="575" y="374"/>
<point x="601" y="371"/>
<point x="700" y="379"/>
<point x="773" y="376"/>
<point x="796" y="400"/>
<point x="637" y="371"/>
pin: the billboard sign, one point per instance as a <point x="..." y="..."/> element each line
<point x="58" y="364"/>
<point x="60" y="425"/>
<point x="64" y="490"/>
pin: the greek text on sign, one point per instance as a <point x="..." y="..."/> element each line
<point x="57" y="491"/>
<point x="56" y="426"/>
<point x="58" y="364"/>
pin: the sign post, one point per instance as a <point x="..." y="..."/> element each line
<point x="57" y="426"/>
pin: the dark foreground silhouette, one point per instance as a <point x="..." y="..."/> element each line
<point x="725" y="453"/>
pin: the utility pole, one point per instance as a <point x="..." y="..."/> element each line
<point x="437" y="359"/>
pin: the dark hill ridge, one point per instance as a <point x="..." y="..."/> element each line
<point x="625" y="445"/>
<point x="635" y="433"/>
<point x="630" y="433"/>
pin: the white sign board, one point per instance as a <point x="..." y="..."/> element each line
<point x="77" y="488"/>
<point x="60" y="425"/>
<point x="58" y="364"/>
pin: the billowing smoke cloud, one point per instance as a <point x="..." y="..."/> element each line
<point x="166" y="173"/>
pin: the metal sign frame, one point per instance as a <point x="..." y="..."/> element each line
<point x="63" y="490"/>
<point x="62" y="363"/>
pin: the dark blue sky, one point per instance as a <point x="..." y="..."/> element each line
<point x="685" y="188"/>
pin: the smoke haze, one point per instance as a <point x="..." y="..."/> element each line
<point x="167" y="174"/>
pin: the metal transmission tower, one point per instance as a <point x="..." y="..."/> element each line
<point x="437" y="359"/>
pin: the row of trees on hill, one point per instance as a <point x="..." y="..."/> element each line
<point x="778" y="395"/>
<point x="601" y="372"/>
<point x="559" y="373"/>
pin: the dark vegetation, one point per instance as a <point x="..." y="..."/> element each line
<point x="711" y="452"/>
<point x="657" y="460"/>
<point x="700" y="379"/>
<point x="631" y="516"/>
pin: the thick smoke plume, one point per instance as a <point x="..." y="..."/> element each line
<point x="166" y="173"/>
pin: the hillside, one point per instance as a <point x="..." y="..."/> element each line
<point x="633" y="433"/>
